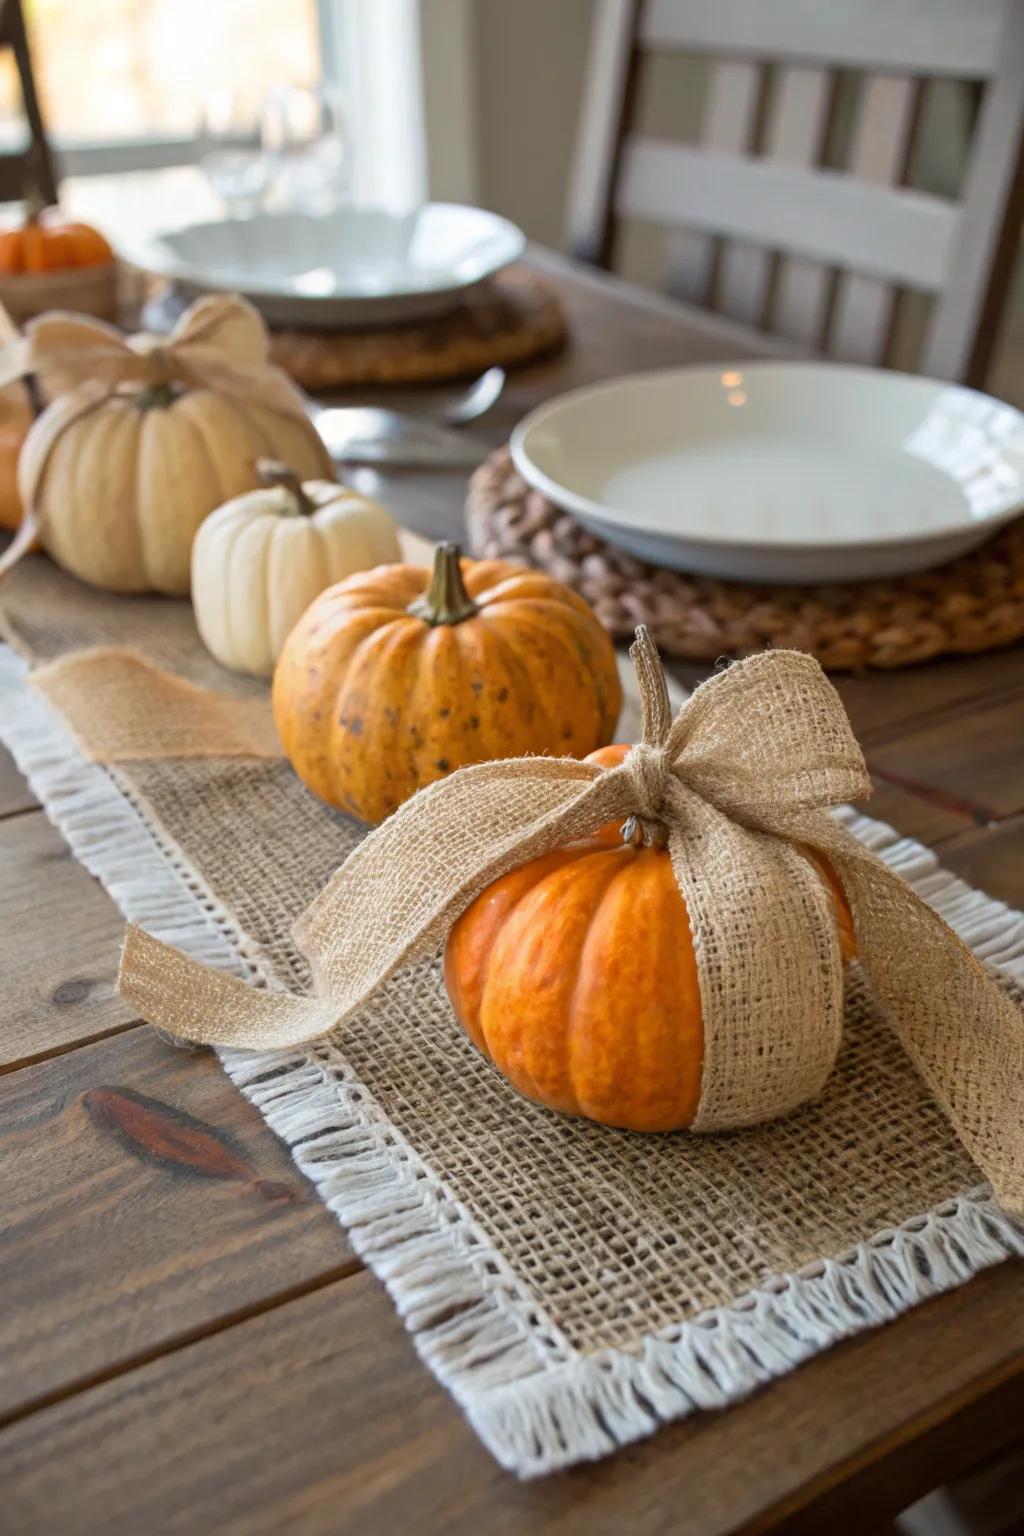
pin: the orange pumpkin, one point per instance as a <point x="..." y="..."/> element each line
<point x="398" y="675"/>
<point x="46" y="242"/>
<point x="15" y="419"/>
<point x="576" y="976"/>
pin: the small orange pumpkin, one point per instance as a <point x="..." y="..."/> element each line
<point x="396" y="676"/>
<point x="46" y="242"/>
<point x="15" y="419"/>
<point x="576" y="975"/>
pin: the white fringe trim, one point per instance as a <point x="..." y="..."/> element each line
<point x="536" y="1403"/>
<point x="147" y="878"/>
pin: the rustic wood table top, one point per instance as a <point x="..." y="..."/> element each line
<point x="193" y="1347"/>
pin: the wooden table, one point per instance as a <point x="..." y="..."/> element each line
<point x="195" y="1348"/>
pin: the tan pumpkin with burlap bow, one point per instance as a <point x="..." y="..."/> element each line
<point x="146" y="435"/>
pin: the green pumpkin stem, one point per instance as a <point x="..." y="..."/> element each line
<point x="156" y="397"/>
<point x="274" y="472"/>
<point x="446" y="600"/>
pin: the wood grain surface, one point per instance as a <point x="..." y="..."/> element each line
<point x="144" y="1201"/>
<point x="317" y="1417"/>
<point x="15" y="794"/>
<point x="187" y="1343"/>
<point x="58" y="993"/>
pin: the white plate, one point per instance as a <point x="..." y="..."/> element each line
<point x="780" y="472"/>
<point x="357" y="266"/>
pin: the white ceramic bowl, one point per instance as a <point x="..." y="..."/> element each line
<point x="356" y="266"/>
<point x="780" y="472"/>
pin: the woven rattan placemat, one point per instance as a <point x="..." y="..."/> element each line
<point x="512" y="318"/>
<point x="972" y="604"/>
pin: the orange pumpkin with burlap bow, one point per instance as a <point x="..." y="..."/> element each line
<point x="575" y="974"/>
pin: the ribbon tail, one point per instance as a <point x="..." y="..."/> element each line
<point x="21" y="544"/>
<point x="392" y="899"/>
<point x="398" y="893"/>
<point x="962" y="1030"/>
<point x="15" y="361"/>
<point x="209" y="1007"/>
<point x="120" y="707"/>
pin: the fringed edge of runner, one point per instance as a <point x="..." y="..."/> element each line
<point x="145" y="875"/>
<point x="536" y="1404"/>
<point x="587" y="1408"/>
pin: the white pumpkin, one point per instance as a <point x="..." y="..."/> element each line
<point x="260" y="560"/>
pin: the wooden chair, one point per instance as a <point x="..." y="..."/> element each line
<point x="773" y="236"/>
<point x="29" y="169"/>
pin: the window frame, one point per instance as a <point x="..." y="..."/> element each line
<point x="377" y="53"/>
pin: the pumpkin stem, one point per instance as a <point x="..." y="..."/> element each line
<point x="640" y="833"/>
<point x="156" y="397"/>
<point x="35" y="202"/>
<point x="274" y="472"/>
<point x="446" y="600"/>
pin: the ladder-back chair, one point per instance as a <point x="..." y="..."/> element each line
<point x="29" y="170"/>
<point x="763" y="229"/>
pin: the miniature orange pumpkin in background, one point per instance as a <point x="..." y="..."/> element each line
<point x="576" y="975"/>
<point x="396" y="676"/>
<point x="47" y="242"/>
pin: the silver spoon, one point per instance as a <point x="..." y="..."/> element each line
<point x="476" y="401"/>
<point x="357" y="434"/>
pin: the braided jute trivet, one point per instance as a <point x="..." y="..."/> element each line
<point x="513" y="318"/>
<point x="975" y="603"/>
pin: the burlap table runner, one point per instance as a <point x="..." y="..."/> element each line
<point x="572" y="1286"/>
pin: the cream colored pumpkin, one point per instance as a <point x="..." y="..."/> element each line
<point x="147" y="435"/>
<point x="260" y="560"/>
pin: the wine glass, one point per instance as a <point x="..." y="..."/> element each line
<point x="305" y="138"/>
<point x="230" y="153"/>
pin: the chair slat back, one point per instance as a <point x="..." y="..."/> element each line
<point x="865" y="306"/>
<point x="761" y="226"/>
<point x="920" y="37"/>
<point x="799" y="118"/>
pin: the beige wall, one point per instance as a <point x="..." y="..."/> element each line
<point x="530" y="57"/>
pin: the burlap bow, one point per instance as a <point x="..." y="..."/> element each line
<point x="738" y="785"/>
<point x="220" y="344"/>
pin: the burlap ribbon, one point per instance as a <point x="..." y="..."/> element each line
<point x="220" y="344"/>
<point x="737" y="783"/>
<point x="121" y="708"/>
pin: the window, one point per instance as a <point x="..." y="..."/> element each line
<point x="123" y="83"/>
<point x="136" y="72"/>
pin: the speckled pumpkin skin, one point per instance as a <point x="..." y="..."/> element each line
<point x="371" y="702"/>
<point x="576" y="976"/>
